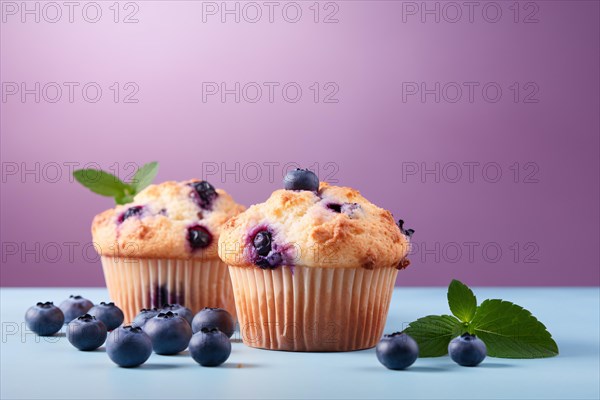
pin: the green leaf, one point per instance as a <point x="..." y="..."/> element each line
<point x="101" y="182"/>
<point x="462" y="301"/>
<point x="433" y="333"/>
<point x="124" y="199"/>
<point x="144" y="176"/>
<point x="510" y="331"/>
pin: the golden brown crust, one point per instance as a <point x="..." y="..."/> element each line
<point x="160" y="230"/>
<point x="313" y="234"/>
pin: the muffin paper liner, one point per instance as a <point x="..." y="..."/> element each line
<point x="311" y="308"/>
<point x="134" y="284"/>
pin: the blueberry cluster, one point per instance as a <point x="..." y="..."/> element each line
<point x="173" y="329"/>
<point x="399" y="351"/>
<point x="165" y="331"/>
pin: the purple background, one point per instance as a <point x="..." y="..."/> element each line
<point x="371" y="135"/>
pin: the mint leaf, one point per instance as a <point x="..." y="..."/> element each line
<point x="461" y="300"/>
<point x="510" y="331"/>
<point x="101" y="182"/>
<point x="144" y="176"/>
<point x="433" y="333"/>
<point x="106" y="184"/>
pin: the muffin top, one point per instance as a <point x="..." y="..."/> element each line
<point x="329" y="227"/>
<point x="180" y="220"/>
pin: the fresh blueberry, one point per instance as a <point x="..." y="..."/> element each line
<point x="86" y="332"/>
<point x="111" y="315"/>
<point x="397" y="351"/>
<point x="405" y="232"/>
<point x="210" y="347"/>
<point x="214" y="318"/>
<point x="204" y="194"/>
<point x="301" y="179"/>
<point x="74" y="307"/>
<point x="128" y="346"/>
<point x="262" y="243"/>
<point x="180" y="310"/>
<point x="169" y="332"/>
<point x="130" y="212"/>
<point x="198" y="237"/>
<point x="45" y="319"/>
<point x="467" y="350"/>
<point x="144" y="315"/>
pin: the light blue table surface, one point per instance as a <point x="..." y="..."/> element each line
<point x="33" y="367"/>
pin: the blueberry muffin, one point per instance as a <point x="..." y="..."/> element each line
<point x="162" y="247"/>
<point x="313" y="267"/>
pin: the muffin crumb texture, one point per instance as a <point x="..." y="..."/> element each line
<point x="175" y="220"/>
<point x="333" y="227"/>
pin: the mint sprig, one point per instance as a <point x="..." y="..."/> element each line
<point x="508" y="330"/>
<point x="106" y="184"/>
